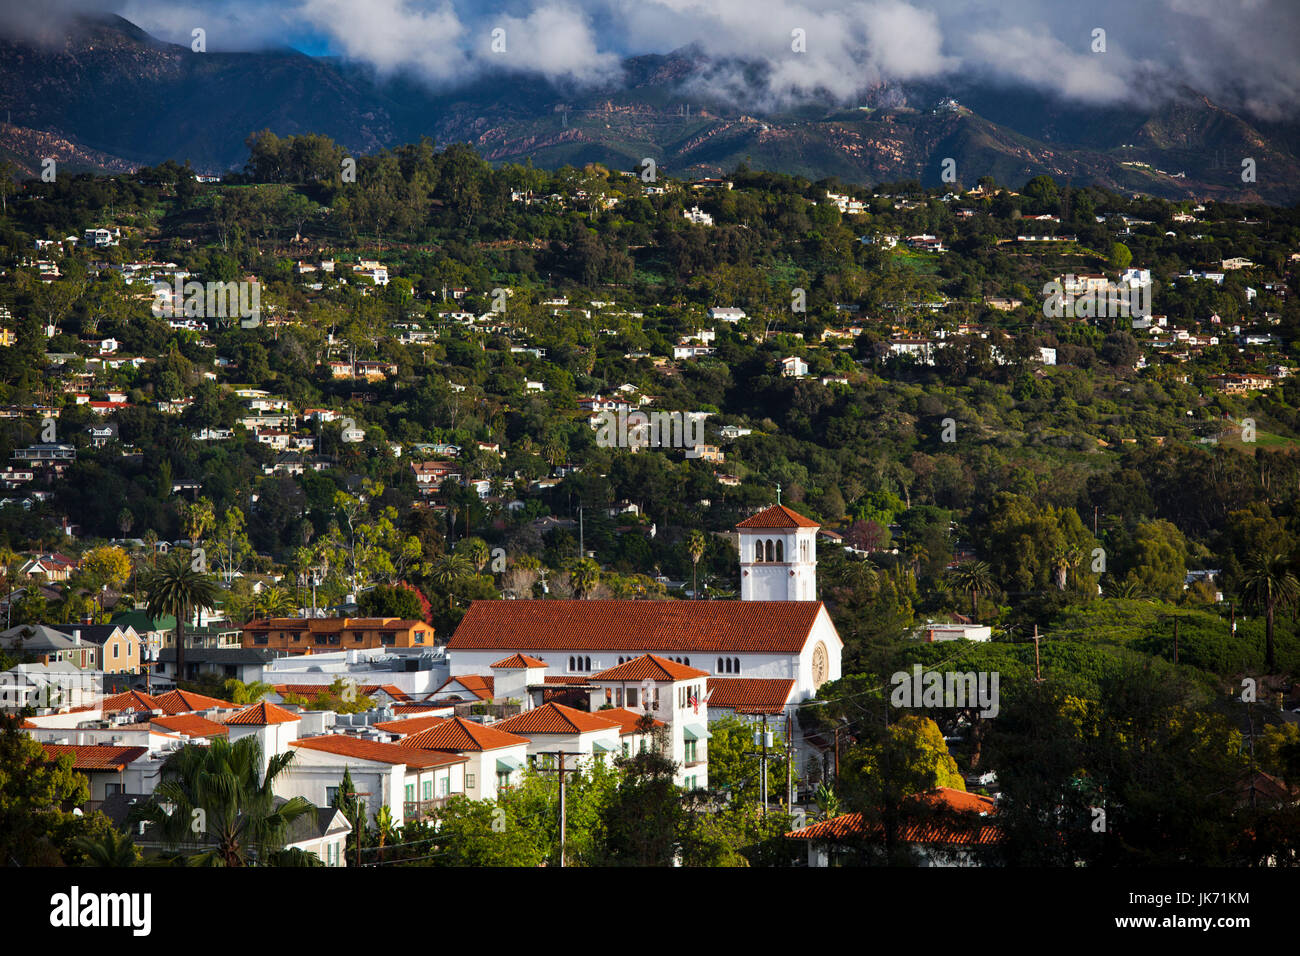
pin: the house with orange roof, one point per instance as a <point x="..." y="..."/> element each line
<point x="300" y="635"/>
<point x="411" y="782"/>
<point x="104" y="765"/>
<point x="273" y="726"/>
<point x="495" y="756"/>
<point x="942" y="827"/>
<point x="553" y="727"/>
<point x="663" y="689"/>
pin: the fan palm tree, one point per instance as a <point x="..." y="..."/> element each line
<point x="176" y="588"/>
<point x="585" y="576"/>
<point x="219" y="796"/>
<point x="110" y="848"/>
<point x="1127" y="588"/>
<point x="243" y="694"/>
<point x="859" y="575"/>
<point x="1267" y="584"/>
<point x="275" y="601"/>
<point x="695" y="545"/>
<point x="447" y="571"/>
<point x="975" y="578"/>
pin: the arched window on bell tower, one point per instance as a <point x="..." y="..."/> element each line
<point x="758" y="550"/>
<point x="769" y="550"/>
<point x="780" y="550"/>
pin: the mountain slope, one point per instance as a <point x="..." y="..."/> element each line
<point x="111" y="97"/>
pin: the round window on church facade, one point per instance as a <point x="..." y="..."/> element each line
<point x="819" y="665"/>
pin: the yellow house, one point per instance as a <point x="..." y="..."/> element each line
<point x="119" y="647"/>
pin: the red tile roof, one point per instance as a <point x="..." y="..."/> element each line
<point x="627" y="719"/>
<point x="421" y="708"/>
<point x="564" y="679"/>
<point x="750" y="695"/>
<point x="778" y="517"/>
<point x="392" y="690"/>
<point x="378" y="751"/>
<point x="518" y="660"/>
<point x="650" y="667"/>
<point x="555" y="719"/>
<point x="261" y="714"/>
<point x="131" y="700"/>
<point x="479" y="685"/>
<point x="408" y="725"/>
<point x="948" y="828"/>
<point x="95" y="756"/>
<point x="192" y="725"/>
<point x="459" y="735"/>
<point x="702" y="627"/>
<point x="185" y="702"/>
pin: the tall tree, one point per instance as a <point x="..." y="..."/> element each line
<point x="218" y="795"/>
<point x="1267" y="583"/>
<point x="177" y="588"/>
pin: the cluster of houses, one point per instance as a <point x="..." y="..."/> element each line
<point x="519" y="683"/>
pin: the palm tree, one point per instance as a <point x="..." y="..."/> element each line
<point x="110" y="848"/>
<point x="828" y="803"/>
<point x="447" y="571"/>
<point x="859" y="575"/>
<point x="384" y="828"/>
<point x="695" y="545"/>
<point x="274" y="601"/>
<point x="176" y="588"/>
<point x="974" y="577"/>
<point x="244" y="694"/>
<point x="1128" y="588"/>
<point x="1268" y="583"/>
<point x="476" y="552"/>
<point x="220" y="796"/>
<point x="585" y="576"/>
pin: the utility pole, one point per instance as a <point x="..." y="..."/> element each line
<point x="763" y="739"/>
<point x="789" y="763"/>
<point x="562" y="770"/>
<point x="582" y="550"/>
<point x="1038" y="670"/>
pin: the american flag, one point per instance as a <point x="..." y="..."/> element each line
<point x="695" y="702"/>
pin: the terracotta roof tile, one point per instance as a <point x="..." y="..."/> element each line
<point x="778" y="517"/>
<point x="131" y="700"/>
<point x="627" y="719"/>
<point x="95" y="756"/>
<point x="459" y="735"/>
<point x="650" y="667"/>
<point x="555" y="719"/>
<point x="408" y="725"/>
<point x="261" y="714"/>
<point x="750" y="695"/>
<point x="518" y="660"/>
<point x="957" y="822"/>
<point x="185" y="702"/>
<point x="778" y="627"/>
<point x="479" y="685"/>
<point x="420" y="708"/>
<point x="192" y="725"/>
<point x="376" y="750"/>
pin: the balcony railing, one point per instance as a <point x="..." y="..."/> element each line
<point x="420" y="809"/>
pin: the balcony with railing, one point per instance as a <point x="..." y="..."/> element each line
<point x="420" y="809"/>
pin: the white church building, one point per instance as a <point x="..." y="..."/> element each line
<point x="777" y="643"/>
